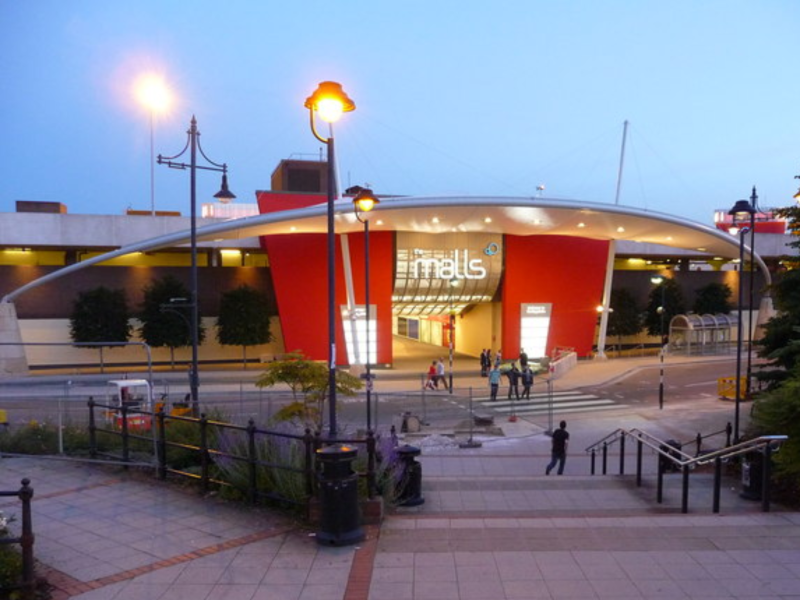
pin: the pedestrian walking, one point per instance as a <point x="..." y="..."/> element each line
<point x="494" y="381"/>
<point x="527" y="382"/>
<point x="484" y="363"/>
<point x="523" y="359"/>
<point x="559" y="449"/>
<point x="513" y="381"/>
<point x="440" y="374"/>
<point x="498" y="358"/>
<point x="431" y="383"/>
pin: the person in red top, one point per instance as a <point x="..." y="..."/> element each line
<point x="431" y="383"/>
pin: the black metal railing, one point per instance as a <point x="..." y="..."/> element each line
<point x="25" y="541"/>
<point x="671" y="457"/>
<point x="216" y="442"/>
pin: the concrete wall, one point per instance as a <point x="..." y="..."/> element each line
<point x="57" y="331"/>
<point x="474" y="328"/>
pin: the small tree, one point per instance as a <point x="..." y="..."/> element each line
<point x="166" y="322"/>
<point x="626" y="316"/>
<point x="310" y="379"/>
<point x="713" y="299"/>
<point x="100" y="315"/>
<point x="673" y="305"/>
<point x="244" y="319"/>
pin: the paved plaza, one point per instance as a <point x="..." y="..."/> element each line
<point x="493" y="527"/>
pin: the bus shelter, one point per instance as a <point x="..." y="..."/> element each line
<point x="702" y="334"/>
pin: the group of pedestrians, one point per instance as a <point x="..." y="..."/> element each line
<point x="516" y="375"/>
<point x="486" y="361"/>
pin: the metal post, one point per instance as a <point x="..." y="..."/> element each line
<point x="685" y="491"/>
<point x="471" y="443"/>
<point x="203" y="423"/>
<point x="332" y="428"/>
<point x="452" y="332"/>
<point x="738" y="398"/>
<point x="252" y="462"/>
<point x="622" y="455"/>
<point x="639" y="446"/>
<point x="753" y="203"/>
<point x="594" y="457"/>
<point x="605" y="457"/>
<point x="92" y="430"/>
<point x="766" y="477"/>
<point x="193" y="374"/>
<point x="717" y="483"/>
<point x="162" y="443"/>
<point x="26" y="539"/>
<point x="366" y="299"/>
<point x="661" y="352"/>
<point x="660" y="480"/>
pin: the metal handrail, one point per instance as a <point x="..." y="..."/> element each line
<point x="766" y="444"/>
<point x="609" y="439"/>
<point x="723" y="453"/>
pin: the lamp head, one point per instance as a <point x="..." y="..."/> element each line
<point x="742" y="210"/>
<point x="224" y="195"/>
<point x="657" y="280"/>
<point x="330" y="101"/>
<point x="365" y="200"/>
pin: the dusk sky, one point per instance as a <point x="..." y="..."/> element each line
<point x="453" y="97"/>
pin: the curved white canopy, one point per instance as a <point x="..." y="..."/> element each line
<point x="433" y="214"/>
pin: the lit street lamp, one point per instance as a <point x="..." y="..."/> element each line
<point x="743" y="217"/>
<point x="659" y="281"/>
<point x="223" y="195"/>
<point x="364" y="202"/>
<point x="330" y="101"/>
<point x="155" y="96"/>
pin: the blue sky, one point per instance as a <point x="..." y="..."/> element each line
<point x="454" y="97"/>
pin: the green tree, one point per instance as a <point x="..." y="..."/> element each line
<point x="165" y="315"/>
<point x="713" y="299"/>
<point x="310" y="379"/>
<point x="777" y="411"/>
<point x="100" y="315"/>
<point x="244" y="319"/>
<point x="626" y="316"/>
<point x="780" y="340"/>
<point x="673" y="305"/>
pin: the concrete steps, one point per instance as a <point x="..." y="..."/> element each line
<point x="574" y="495"/>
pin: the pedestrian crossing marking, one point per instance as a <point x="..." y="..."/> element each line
<point x="565" y="401"/>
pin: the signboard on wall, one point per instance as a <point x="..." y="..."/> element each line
<point x="534" y="328"/>
<point x="355" y="334"/>
<point x="436" y="273"/>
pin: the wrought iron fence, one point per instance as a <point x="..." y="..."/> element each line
<point x="25" y="540"/>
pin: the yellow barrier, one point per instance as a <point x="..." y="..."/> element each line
<point x="726" y="388"/>
<point x="3" y="417"/>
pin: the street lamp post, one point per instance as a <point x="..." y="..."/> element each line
<point x="659" y="281"/>
<point x="754" y="207"/>
<point x="364" y="202"/>
<point x="741" y="210"/>
<point x="330" y="101"/>
<point x="223" y="195"/>
<point x="453" y="283"/>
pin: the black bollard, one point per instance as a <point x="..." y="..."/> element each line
<point x="340" y="521"/>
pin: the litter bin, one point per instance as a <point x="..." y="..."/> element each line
<point x="752" y="476"/>
<point x="666" y="464"/>
<point x="340" y="519"/>
<point x="409" y="487"/>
